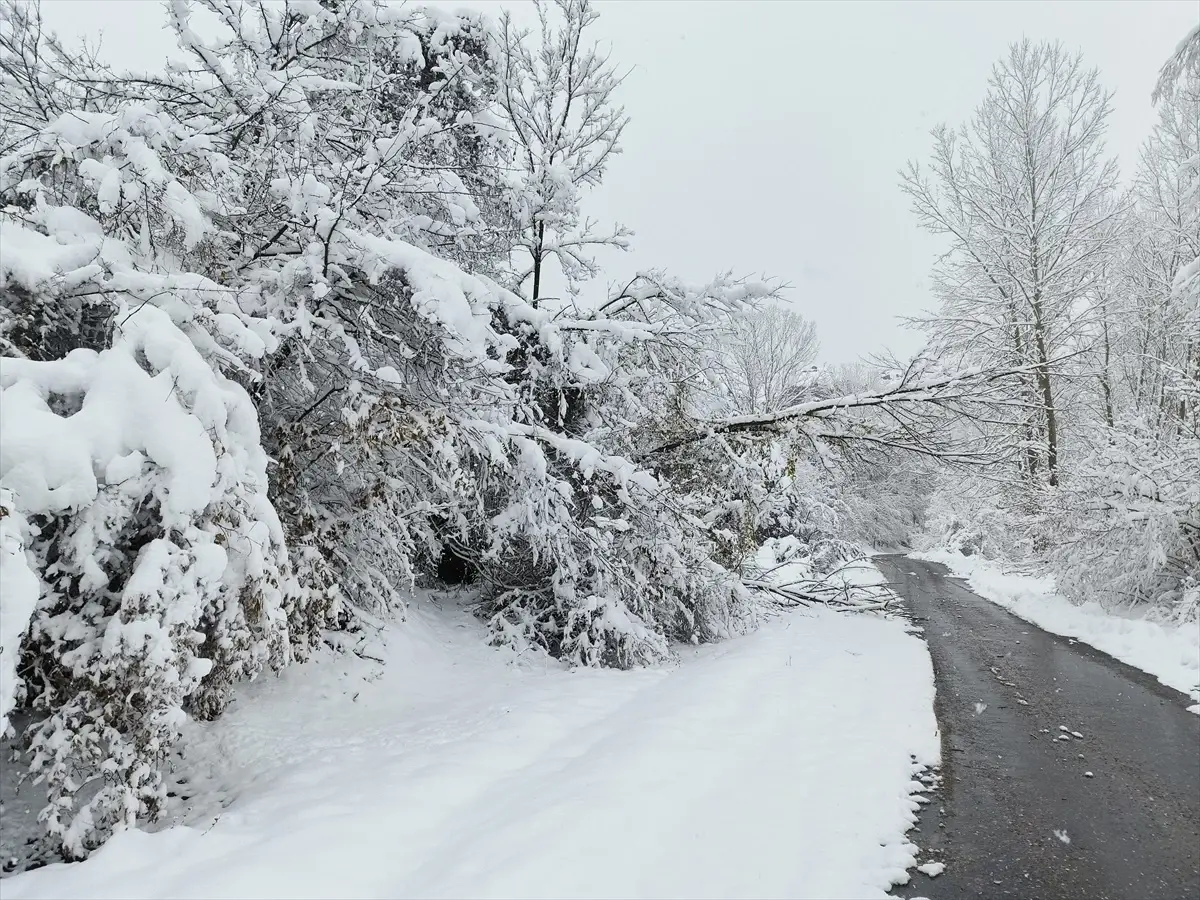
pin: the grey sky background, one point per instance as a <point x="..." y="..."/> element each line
<point x="766" y="136"/>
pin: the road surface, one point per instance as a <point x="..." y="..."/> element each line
<point x="1066" y="774"/>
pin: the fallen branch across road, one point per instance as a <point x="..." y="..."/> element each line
<point x="965" y="393"/>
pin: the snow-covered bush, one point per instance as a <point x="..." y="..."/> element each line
<point x="978" y="516"/>
<point x="1136" y="523"/>
<point x="168" y="241"/>
<point x="136" y="465"/>
<point x="748" y="490"/>
<point x="136" y="482"/>
<point x="19" y="590"/>
<point x="590" y="554"/>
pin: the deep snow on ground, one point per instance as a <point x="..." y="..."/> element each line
<point x="781" y="763"/>
<point x="1169" y="652"/>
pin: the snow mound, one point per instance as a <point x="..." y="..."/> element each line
<point x="781" y="763"/>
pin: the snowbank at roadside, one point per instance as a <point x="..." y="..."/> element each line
<point x="1171" y="653"/>
<point x="782" y="763"/>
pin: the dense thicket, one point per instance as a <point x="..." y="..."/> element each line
<point x="267" y="365"/>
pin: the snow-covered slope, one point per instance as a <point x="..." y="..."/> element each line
<point x="1170" y="652"/>
<point x="777" y="764"/>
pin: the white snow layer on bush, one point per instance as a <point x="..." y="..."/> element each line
<point x="779" y="764"/>
<point x="142" y="438"/>
<point x="148" y="404"/>
<point x="1169" y="652"/>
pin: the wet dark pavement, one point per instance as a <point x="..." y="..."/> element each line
<point x="1017" y="814"/>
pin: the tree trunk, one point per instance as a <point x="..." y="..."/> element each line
<point x="537" y="262"/>
<point x="1042" y="373"/>
<point x="1105" y="379"/>
<point x="1044" y="388"/>
<point x="1042" y="376"/>
<point x="1031" y="461"/>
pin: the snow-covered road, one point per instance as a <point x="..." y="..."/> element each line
<point x="777" y="764"/>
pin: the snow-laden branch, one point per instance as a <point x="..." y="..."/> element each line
<point x="970" y="385"/>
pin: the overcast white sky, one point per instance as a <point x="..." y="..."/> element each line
<point x="766" y="136"/>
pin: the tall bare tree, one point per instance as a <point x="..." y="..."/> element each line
<point x="1024" y="193"/>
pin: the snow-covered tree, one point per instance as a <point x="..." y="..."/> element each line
<point x="557" y="96"/>
<point x="1135" y="498"/>
<point x="765" y="359"/>
<point x="1123" y="526"/>
<point x="1024" y="195"/>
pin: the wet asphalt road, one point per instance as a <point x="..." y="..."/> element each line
<point x="1008" y="786"/>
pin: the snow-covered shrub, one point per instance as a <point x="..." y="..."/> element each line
<point x="19" y="589"/>
<point x="132" y="465"/>
<point x="137" y="483"/>
<point x="613" y="591"/>
<point x="978" y="516"/>
<point x="590" y="554"/>
<point x="160" y="240"/>
<point x="748" y="490"/>
<point x="1135" y="524"/>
